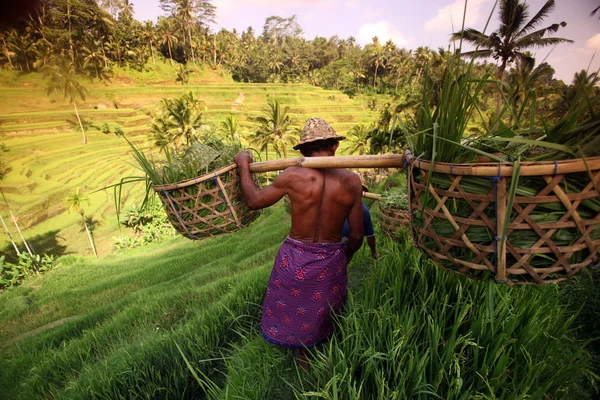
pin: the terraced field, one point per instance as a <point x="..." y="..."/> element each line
<point x="48" y="158"/>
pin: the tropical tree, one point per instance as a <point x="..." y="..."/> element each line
<point x="527" y="82"/>
<point x="166" y="34"/>
<point x="358" y="138"/>
<point x="514" y="37"/>
<point x="230" y="127"/>
<point x="179" y="122"/>
<point x="75" y="201"/>
<point x="274" y="130"/>
<point x="62" y="80"/>
<point x="376" y="56"/>
<point x="188" y="14"/>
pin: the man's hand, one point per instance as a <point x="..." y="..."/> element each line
<point x="242" y="159"/>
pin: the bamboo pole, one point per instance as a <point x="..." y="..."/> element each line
<point x="372" y="196"/>
<point x="375" y="161"/>
<point x="506" y="169"/>
<point x="501" y="200"/>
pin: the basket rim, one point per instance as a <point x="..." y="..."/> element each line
<point x="505" y="169"/>
<point x="193" y="181"/>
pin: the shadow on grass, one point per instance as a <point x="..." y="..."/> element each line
<point x="48" y="243"/>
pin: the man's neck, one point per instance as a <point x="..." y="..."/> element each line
<point x="323" y="153"/>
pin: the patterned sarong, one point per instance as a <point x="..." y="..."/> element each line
<point x="309" y="281"/>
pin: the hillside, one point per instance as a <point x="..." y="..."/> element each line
<point x="48" y="159"/>
<point x="120" y="328"/>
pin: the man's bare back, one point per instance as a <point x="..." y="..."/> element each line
<point x="321" y="201"/>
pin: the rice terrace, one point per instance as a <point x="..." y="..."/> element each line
<point x="138" y="260"/>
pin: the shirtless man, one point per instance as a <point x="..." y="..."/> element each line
<point x="309" y="280"/>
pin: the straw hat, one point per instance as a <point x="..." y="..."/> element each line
<point x="317" y="129"/>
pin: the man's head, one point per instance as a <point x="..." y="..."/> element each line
<point x="317" y="136"/>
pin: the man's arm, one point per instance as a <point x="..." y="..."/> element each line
<point x="373" y="246"/>
<point x="355" y="220"/>
<point x="264" y="197"/>
<point x="370" y="232"/>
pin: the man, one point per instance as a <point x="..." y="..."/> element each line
<point x="309" y="280"/>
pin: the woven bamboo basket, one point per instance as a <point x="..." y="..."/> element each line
<point x="392" y="220"/>
<point x="207" y="206"/>
<point x="437" y="191"/>
<point x="212" y="204"/>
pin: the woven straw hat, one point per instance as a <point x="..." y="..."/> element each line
<point x="317" y="129"/>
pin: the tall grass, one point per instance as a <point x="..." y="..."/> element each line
<point x="420" y="332"/>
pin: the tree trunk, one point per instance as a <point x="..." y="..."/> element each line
<point x="89" y="236"/>
<point x="105" y="58"/>
<point x="14" y="220"/>
<point x="375" y="76"/>
<point x="9" y="236"/>
<point x="152" y="52"/>
<point x="70" y="33"/>
<point x="7" y="53"/>
<point x="191" y="46"/>
<point x="499" y="95"/>
<point x="170" y="54"/>
<point x="80" y="124"/>
<point x="215" y="50"/>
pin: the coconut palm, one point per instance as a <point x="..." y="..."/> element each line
<point x="377" y="56"/>
<point x="188" y="14"/>
<point x="166" y="32"/>
<point x="274" y="129"/>
<point x="93" y="55"/>
<point x="63" y="80"/>
<point x="178" y="123"/>
<point x="515" y="34"/>
<point x="358" y="137"/>
<point x="230" y="127"/>
<point x="523" y="81"/>
<point x="75" y="201"/>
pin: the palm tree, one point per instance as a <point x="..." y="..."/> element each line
<point x="178" y="123"/>
<point x="93" y="55"/>
<point x="188" y="14"/>
<point x="166" y="29"/>
<point x="514" y="36"/>
<point x="63" y="80"/>
<point x="231" y="127"/>
<point x="149" y="32"/>
<point x="358" y="137"/>
<point x="523" y="80"/>
<point x="75" y="201"/>
<point x="377" y="56"/>
<point x="274" y="129"/>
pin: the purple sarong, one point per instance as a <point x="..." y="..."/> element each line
<point x="309" y="281"/>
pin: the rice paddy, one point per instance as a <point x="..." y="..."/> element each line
<point x="48" y="159"/>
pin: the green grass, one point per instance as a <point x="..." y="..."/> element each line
<point x="112" y="328"/>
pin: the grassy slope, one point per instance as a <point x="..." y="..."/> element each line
<point x="113" y="328"/>
<point x="48" y="160"/>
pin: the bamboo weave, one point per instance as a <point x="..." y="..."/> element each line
<point x="434" y="206"/>
<point x="392" y="220"/>
<point x="206" y="206"/>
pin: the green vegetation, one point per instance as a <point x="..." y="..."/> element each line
<point x="112" y="328"/>
<point x="181" y="319"/>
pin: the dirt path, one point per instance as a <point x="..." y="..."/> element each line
<point x="40" y="329"/>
